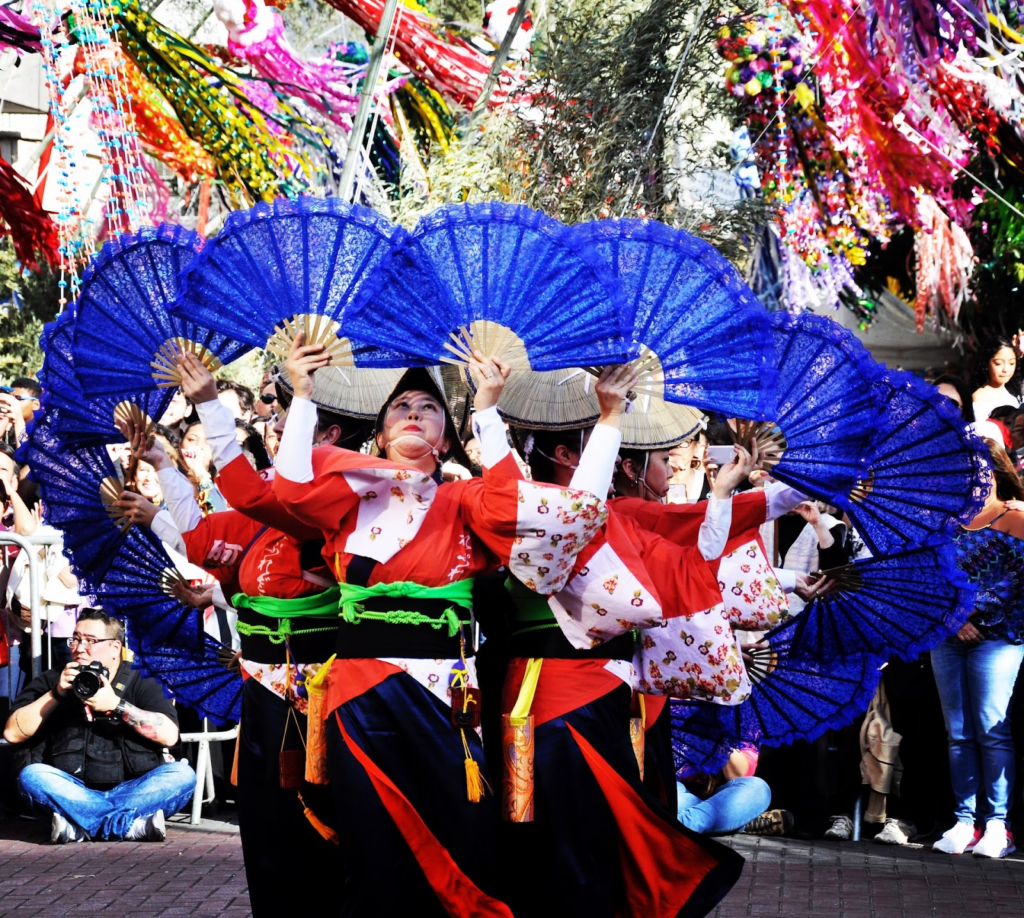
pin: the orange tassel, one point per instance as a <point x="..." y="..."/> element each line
<point x="325" y="830"/>
<point x="474" y="782"/>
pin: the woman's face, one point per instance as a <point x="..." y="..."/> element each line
<point x="148" y="483"/>
<point x="681" y="456"/>
<point x="659" y="471"/>
<point x="1002" y="366"/>
<point x="175" y="410"/>
<point x="194" y="445"/>
<point x="650" y="479"/>
<point x="413" y="426"/>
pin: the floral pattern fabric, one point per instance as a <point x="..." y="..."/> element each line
<point x="434" y="675"/>
<point x="694" y="658"/>
<point x="552" y="526"/>
<point x="754" y="598"/>
<point x="603" y="600"/>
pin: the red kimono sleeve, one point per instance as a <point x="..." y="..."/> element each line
<point x="537" y="530"/>
<point x="216" y="544"/>
<point x="250" y="493"/>
<point x="680" y="523"/>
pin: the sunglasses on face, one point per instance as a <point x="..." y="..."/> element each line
<point x="268" y="398"/>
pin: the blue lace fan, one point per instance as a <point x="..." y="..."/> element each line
<point x="126" y="340"/>
<point x="927" y="471"/>
<point x="84" y="420"/>
<point x="76" y="484"/>
<point x="829" y="407"/>
<point x="135" y="586"/>
<point x="193" y="677"/>
<point x="703" y="337"/>
<point x="794" y="696"/>
<point x="281" y="267"/>
<point x="499" y="278"/>
<point x="904" y="603"/>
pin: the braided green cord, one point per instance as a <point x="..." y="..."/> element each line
<point x="277" y="635"/>
<point x="354" y="613"/>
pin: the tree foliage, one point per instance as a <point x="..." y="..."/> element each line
<point x="619" y="134"/>
<point x="28" y="300"/>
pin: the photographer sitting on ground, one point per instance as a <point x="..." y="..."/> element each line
<point x="94" y="733"/>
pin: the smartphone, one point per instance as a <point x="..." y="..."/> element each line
<point x="721" y="455"/>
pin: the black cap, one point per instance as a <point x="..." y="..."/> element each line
<point x="419" y="379"/>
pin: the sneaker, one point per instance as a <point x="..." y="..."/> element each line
<point x="770" y="822"/>
<point x="895" y="832"/>
<point x="962" y="837"/>
<point x="996" y="842"/>
<point x="148" y="828"/>
<point x="62" y="831"/>
<point x="841" y="829"/>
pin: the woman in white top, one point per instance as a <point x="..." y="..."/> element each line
<point x="999" y="378"/>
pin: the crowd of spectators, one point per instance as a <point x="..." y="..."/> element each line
<point x="807" y="789"/>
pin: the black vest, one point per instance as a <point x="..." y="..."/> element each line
<point x="102" y="753"/>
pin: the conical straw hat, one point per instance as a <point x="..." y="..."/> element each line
<point x="351" y="391"/>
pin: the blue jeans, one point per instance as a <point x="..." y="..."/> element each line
<point x="728" y="809"/>
<point x="106" y="814"/>
<point x="975" y="685"/>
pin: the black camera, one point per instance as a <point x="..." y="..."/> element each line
<point x="87" y="682"/>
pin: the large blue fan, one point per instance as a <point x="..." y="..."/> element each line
<point x="794" y="696"/>
<point x="125" y="337"/>
<point x="132" y="588"/>
<point x="279" y="267"/>
<point x="904" y="603"/>
<point x="706" y="337"/>
<point x="927" y="471"/>
<point x="85" y="420"/>
<point x="499" y="278"/>
<point x="193" y="677"/>
<point x="830" y="404"/>
<point x="73" y="482"/>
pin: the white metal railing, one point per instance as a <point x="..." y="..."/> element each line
<point x="26" y="544"/>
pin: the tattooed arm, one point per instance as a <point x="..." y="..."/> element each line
<point x="153" y="726"/>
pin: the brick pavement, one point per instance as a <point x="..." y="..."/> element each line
<point x="796" y="879"/>
<point x="198" y="872"/>
<point x="195" y="872"/>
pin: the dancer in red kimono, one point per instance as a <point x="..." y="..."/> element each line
<point x="600" y="844"/>
<point x="261" y="555"/>
<point x="415" y="815"/>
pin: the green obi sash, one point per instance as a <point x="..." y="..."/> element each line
<point x="532" y="610"/>
<point x="459" y="593"/>
<point x="315" y="605"/>
<point x="346" y="601"/>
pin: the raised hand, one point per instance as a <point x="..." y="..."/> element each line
<point x="197" y="381"/>
<point x="612" y="388"/>
<point x="489" y="376"/>
<point x="136" y="508"/>
<point x="303" y="361"/>
<point x="733" y="474"/>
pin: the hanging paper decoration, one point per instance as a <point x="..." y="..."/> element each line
<point x="161" y="133"/>
<point x="256" y="36"/>
<point x="498" y="16"/>
<point x="101" y="60"/>
<point x="453" y="67"/>
<point x="31" y="230"/>
<point x="215" y="108"/>
<point x="945" y="261"/>
<point x="18" y="31"/>
<point x="75" y="240"/>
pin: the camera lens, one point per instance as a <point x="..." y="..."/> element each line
<point x="87" y="681"/>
